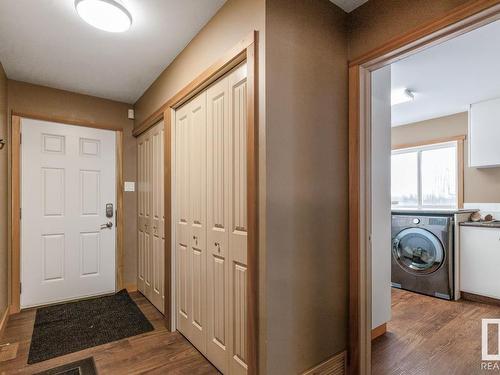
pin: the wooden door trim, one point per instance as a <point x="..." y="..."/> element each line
<point x="456" y="22"/>
<point x="15" y="217"/>
<point x="119" y="283"/>
<point x="244" y="51"/>
<point x="15" y="201"/>
<point x="65" y="120"/>
<point x="435" y="141"/>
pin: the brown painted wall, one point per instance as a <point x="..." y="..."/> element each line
<point x="307" y="183"/>
<point x="233" y="22"/>
<point x="481" y="185"/>
<point x="4" y="269"/>
<point x="28" y="98"/>
<point x="378" y="21"/>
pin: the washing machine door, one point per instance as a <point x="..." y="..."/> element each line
<point x="418" y="251"/>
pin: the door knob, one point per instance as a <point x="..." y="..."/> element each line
<point x="108" y="225"/>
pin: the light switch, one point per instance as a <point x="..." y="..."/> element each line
<point x="129" y="186"/>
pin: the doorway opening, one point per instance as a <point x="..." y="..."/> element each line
<point x="413" y="156"/>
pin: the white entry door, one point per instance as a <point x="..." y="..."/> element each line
<point x="67" y="240"/>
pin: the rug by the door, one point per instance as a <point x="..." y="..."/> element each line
<point x="74" y="326"/>
<point x="83" y="367"/>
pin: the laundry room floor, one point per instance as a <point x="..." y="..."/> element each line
<point x="431" y="336"/>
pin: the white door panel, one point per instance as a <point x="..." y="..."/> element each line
<point x="197" y="222"/>
<point x="381" y="195"/>
<point x="182" y="219"/>
<point x="218" y="151"/>
<point x="151" y="218"/>
<point x="64" y="252"/>
<point x="237" y="202"/>
<point x="210" y="200"/>
<point x="157" y="264"/>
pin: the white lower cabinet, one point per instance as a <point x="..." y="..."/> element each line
<point x="210" y="216"/>
<point x="480" y="261"/>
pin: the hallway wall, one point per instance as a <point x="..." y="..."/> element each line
<point x="28" y="98"/>
<point x="307" y="183"/>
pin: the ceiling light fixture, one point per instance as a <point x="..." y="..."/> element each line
<point x="107" y="15"/>
<point x="400" y="96"/>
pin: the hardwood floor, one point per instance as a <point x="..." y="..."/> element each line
<point x="156" y="352"/>
<point x="432" y="337"/>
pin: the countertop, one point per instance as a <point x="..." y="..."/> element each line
<point x="446" y="211"/>
<point x="493" y="224"/>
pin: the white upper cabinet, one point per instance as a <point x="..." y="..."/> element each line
<point x="484" y="134"/>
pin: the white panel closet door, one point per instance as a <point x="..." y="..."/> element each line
<point x="237" y="202"/>
<point x="68" y="177"/>
<point x="182" y="219"/>
<point x="151" y="221"/>
<point x="191" y="220"/>
<point x="157" y="219"/>
<point x="211" y="221"/>
<point x="144" y="210"/>
<point x="197" y="221"/>
<point x="218" y="151"/>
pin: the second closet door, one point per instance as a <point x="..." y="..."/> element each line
<point x="227" y="223"/>
<point x="151" y="221"/>
<point x="211" y="222"/>
<point x="217" y="219"/>
<point x="191" y="226"/>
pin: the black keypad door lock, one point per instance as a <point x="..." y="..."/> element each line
<point x="109" y="210"/>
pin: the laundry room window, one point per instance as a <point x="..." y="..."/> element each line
<point x="425" y="176"/>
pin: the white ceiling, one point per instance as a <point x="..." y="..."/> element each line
<point x="45" y="42"/>
<point x="448" y="77"/>
<point x="348" y="5"/>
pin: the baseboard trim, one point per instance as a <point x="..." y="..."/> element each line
<point x="131" y="288"/>
<point x="3" y="322"/>
<point x="379" y="331"/>
<point x="335" y="365"/>
<point x="478" y="298"/>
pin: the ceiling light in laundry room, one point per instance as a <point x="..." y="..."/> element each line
<point x="107" y="15"/>
<point x="399" y="96"/>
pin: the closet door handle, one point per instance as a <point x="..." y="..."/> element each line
<point x="218" y="246"/>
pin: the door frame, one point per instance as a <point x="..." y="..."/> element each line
<point x="460" y="20"/>
<point x="15" y="199"/>
<point x="244" y="50"/>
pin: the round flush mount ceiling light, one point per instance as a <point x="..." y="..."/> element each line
<point x="107" y="15"/>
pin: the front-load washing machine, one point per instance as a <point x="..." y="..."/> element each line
<point x="422" y="253"/>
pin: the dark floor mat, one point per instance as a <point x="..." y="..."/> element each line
<point x="70" y="327"/>
<point x="83" y="367"/>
